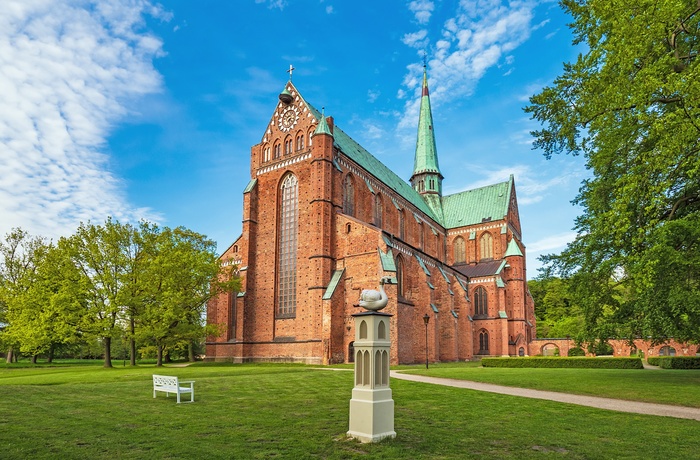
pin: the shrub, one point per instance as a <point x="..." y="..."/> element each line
<point x="577" y="362"/>
<point x="577" y="351"/>
<point x="676" y="362"/>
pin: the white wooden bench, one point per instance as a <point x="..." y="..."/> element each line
<point x="169" y="384"/>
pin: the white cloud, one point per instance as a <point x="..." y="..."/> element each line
<point x="480" y="35"/>
<point x="416" y="39"/>
<point x="372" y="95"/>
<point x="279" y="4"/>
<point x="422" y="9"/>
<point x="551" y="242"/>
<point x="329" y="9"/>
<point x="67" y="73"/>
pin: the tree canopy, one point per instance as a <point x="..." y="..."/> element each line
<point x="631" y="106"/>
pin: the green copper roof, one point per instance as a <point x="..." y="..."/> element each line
<point x="322" y="127"/>
<point x="476" y="206"/>
<point x="250" y="185"/>
<point x="513" y="249"/>
<point x="426" y="159"/>
<point x="387" y="260"/>
<point x="335" y="279"/>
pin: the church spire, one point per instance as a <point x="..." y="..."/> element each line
<point x="426" y="178"/>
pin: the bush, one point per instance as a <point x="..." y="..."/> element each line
<point x="577" y="351"/>
<point x="577" y="362"/>
<point x="675" y="362"/>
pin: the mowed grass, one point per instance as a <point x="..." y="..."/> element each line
<point x="298" y="412"/>
<point x="663" y="386"/>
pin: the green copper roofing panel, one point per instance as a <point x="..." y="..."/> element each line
<point x="435" y="203"/>
<point x="433" y="230"/>
<point x="470" y="318"/>
<point x="462" y="283"/>
<point x="250" y="185"/>
<point x="369" y="186"/>
<point x="504" y="229"/>
<point x="472" y="235"/>
<point x="454" y="313"/>
<point x="502" y="314"/>
<point x="450" y="291"/>
<point x="322" y="127"/>
<point x="499" y="282"/>
<point x="444" y="275"/>
<point x="430" y="285"/>
<point x="335" y="279"/>
<point x="387" y="260"/>
<point x="513" y="249"/>
<point x="415" y="216"/>
<point x="435" y="309"/>
<point x="387" y="240"/>
<point x="396" y="205"/>
<point x="426" y="159"/>
<point x="337" y="166"/>
<point x="471" y="207"/>
<point x="240" y="294"/>
<point x="501" y="267"/>
<point x="422" y="265"/>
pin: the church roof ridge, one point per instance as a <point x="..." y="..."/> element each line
<point x="477" y="205"/>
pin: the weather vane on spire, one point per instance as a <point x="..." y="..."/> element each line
<point x="291" y="69"/>
<point x="425" y="59"/>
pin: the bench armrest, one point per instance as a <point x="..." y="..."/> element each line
<point x="186" y="381"/>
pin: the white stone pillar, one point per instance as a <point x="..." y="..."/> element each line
<point x="371" y="406"/>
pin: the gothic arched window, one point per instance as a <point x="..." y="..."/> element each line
<point x="402" y="225"/>
<point x="480" y="302"/>
<point x="278" y="150"/>
<point x="399" y="277"/>
<point x="378" y="210"/>
<point x="287" y="247"/>
<point x="349" y="195"/>
<point x="486" y="246"/>
<point x="483" y="343"/>
<point x="459" y="248"/>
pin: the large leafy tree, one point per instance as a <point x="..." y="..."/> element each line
<point x="20" y="256"/>
<point x="631" y="106"/>
<point x="184" y="273"/>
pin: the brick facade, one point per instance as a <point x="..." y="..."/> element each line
<point x="333" y="239"/>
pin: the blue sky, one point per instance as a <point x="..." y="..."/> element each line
<point x="138" y="109"/>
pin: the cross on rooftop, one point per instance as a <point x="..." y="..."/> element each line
<point x="291" y="69"/>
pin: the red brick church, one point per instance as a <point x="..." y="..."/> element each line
<point x="324" y="219"/>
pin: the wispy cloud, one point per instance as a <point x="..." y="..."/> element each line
<point x="532" y="185"/>
<point x="422" y="9"/>
<point x="551" y="242"/>
<point x="67" y="73"/>
<point x="477" y="38"/>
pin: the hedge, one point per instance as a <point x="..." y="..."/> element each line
<point x="576" y="362"/>
<point x="675" y="362"/>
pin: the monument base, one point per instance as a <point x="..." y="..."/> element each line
<point x="371" y="415"/>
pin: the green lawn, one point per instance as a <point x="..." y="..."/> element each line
<point x="297" y="412"/>
<point x="665" y="386"/>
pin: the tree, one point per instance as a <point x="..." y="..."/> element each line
<point x="184" y="274"/>
<point x="555" y="309"/>
<point x="631" y="106"/>
<point x="20" y="254"/>
<point x="100" y="254"/>
<point x="53" y="304"/>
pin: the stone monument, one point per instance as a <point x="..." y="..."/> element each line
<point x="371" y="406"/>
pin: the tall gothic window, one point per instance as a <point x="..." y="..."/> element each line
<point x="421" y="236"/>
<point x="483" y="343"/>
<point x="402" y="225"/>
<point x="278" y="150"/>
<point x="287" y="251"/>
<point x="378" y="210"/>
<point x="349" y="196"/>
<point x="480" y="302"/>
<point x="486" y="246"/>
<point x="399" y="277"/>
<point x="460" y="252"/>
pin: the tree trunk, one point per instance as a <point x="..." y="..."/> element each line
<point x="108" y="351"/>
<point x="8" y="359"/>
<point x="51" y="351"/>
<point x="166" y="356"/>
<point x="34" y="359"/>
<point x="159" y="361"/>
<point x="190" y="351"/>
<point x="132" y="343"/>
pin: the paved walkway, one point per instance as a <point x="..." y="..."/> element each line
<point x="591" y="401"/>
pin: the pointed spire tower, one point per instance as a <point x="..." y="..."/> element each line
<point x="426" y="178"/>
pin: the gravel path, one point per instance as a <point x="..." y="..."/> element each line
<point x="591" y="401"/>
